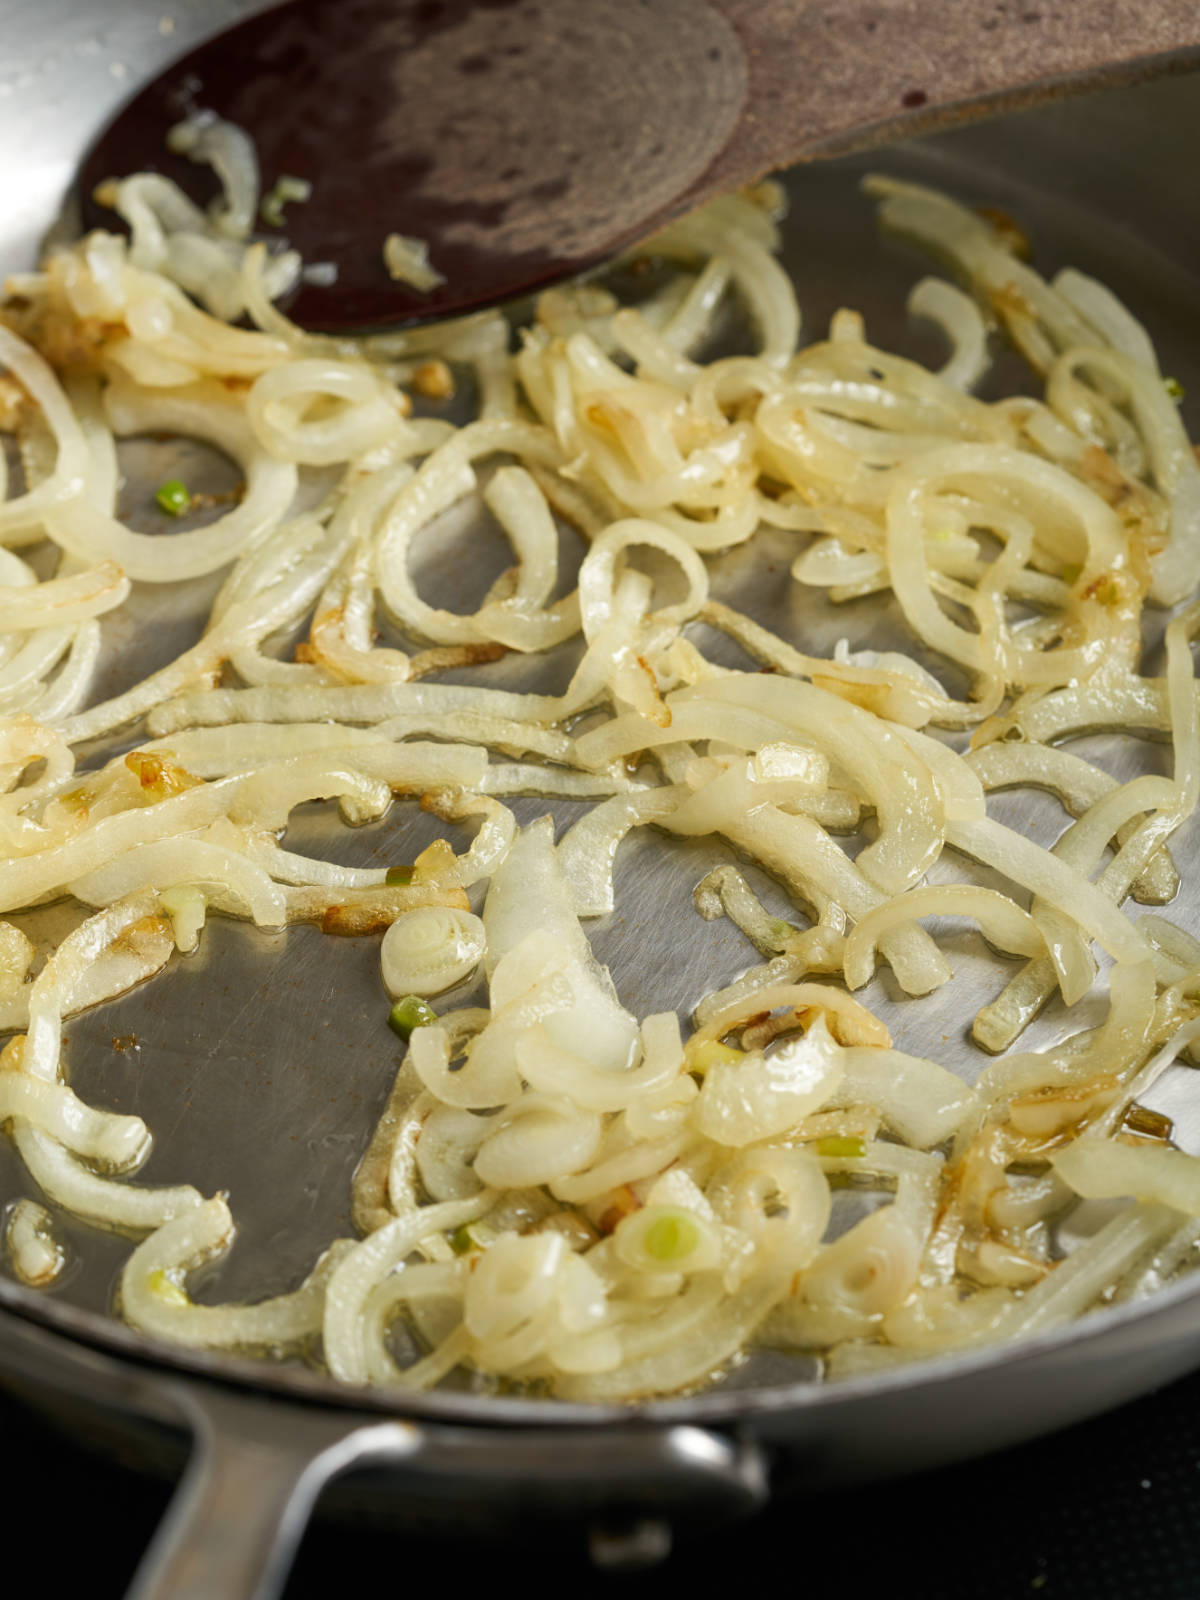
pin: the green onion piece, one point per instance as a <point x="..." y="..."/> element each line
<point x="667" y="1238"/>
<point x="410" y="1013"/>
<point x="671" y="1237"/>
<point x="472" y="1236"/>
<point x="399" y="877"/>
<point x="1174" y="388"/>
<point x="837" y="1146"/>
<point x="173" y="497"/>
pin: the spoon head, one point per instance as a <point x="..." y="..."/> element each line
<point x="522" y="140"/>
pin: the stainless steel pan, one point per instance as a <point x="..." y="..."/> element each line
<point x="261" y="1064"/>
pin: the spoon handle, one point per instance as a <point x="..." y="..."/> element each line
<point x="829" y="76"/>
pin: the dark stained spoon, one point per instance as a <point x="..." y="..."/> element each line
<point x="528" y="139"/>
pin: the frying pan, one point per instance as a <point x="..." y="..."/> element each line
<point x="261" y="1063"/>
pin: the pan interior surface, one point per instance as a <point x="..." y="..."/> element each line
<point x="262" y="1063"/>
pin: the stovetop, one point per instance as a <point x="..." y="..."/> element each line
<point x="1105" y="1511"/>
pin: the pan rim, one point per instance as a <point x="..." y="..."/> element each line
<point x="307" y="1387"/>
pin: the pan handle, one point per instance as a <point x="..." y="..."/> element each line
<point x="257" y="1467"/>
<point x="234" y="1524"/>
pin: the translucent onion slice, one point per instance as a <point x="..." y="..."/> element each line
<point x="848" y="1021"/>
<point x="430" y="949"/>
<point x="537" y="1139"/>
<point x="588" y="850"/>
<point x="66" y="1181"/>
<point x="401" y="1192"/>
<point x="63" y="972"/>
<point x="427" y="1290"/>
<point x="154" y="1299"/>
<point x="368" y="414"/>
<point x="648" y="1158"/>
<point x="530" y="906"/>
<point x="1103" y="1169"/>
<point x="1151" y="1275"/>
<point x="1079" y="785"/>
<point x="922" y="1102"/>
<point x="816" y="870"/>
<point x="444" y="477"/>
<point x="230" y="151"/>
<point x="1092" y="1267"/>
<point x="62" y="601"/>
<point x="1110" y="1052"/>
<point x="765" y="1094"/>
<point x="597" y="575"/>
<point x="960" y="319"/>
<point x="116" y="1142"/>
<point x="489" y="1075"/>
<point x="345" y="703"/>
<point x="713" y="1326"/>
<point x="71" y="466"/>
<point x="553" y="1070"/>
<point x="779" y="1198"/>
<point x="246" y="747"/>
<point x="446" y="1146"/>
<point x="367" y="1264"/>
<point x="878" y="761"/>
<point x="871" y="1268"/>
<point x="36" y="1254"/>
<point x="1026" y="863"/>
<point x="145" y="950"/>
<point x="271" y="486"/>
<point x="228" y="880"/>
<point x="1001" y="921"/>
<point x="491" y="844"/>
<point x="530" y="1297"/>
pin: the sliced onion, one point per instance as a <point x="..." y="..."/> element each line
<point x="37" y="1256"/>
<point x="780" y="1199"/>
<point x="538" y="1139"/>
<point x="1003" y="922"/>
<point x="69" y="1183"/>
<point x="430" y="949"/>
<point x="367" y="1264"/>
<point x="154" y="1300"/>
<point x="871" y="1268"/>
<point x="114" y="1141"/>
<point x="922" y="1102"/>
<point x="764" y="1095"/>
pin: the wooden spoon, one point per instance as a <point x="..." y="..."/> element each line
<point x="528" y="139"/>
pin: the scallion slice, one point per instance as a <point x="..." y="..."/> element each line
<point x="409" y="1013"/>
<point x="173" y="497"/>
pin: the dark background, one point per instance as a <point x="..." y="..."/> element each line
<point x="1105" y="1511"/>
